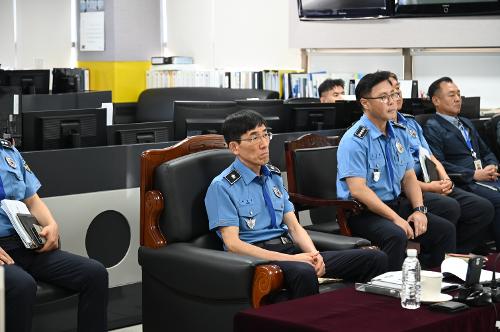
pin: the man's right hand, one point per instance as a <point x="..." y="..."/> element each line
<point x="443" y="187"/>
<point x="5" y="258"/>
<point x="305" y="257"/>
<point x="489" y="173"/>
<point x="405" y="226"/>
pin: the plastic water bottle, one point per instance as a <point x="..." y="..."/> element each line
<point x="410" y="292"/>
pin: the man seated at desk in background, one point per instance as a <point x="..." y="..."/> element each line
<point x="374" y="166"/>
<point x="470" y="213"/>
<point x="331" y="90"/>
<point x="456" y="143"/>
<point x="49" y="264"/>
<point x="249" y="209"/>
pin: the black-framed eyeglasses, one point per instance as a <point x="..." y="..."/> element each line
<point x="385" y="98"/>
<point x="254" y="139"/>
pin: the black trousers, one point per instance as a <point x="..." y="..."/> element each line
<point x="470" y="213"/>
<point x="351" y="265"/>
<point x="494" y="198"/>
<point x="439" y="239"/>
<point x="60" y="268"/>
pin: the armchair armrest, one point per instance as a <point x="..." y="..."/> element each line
<point x="211" y="273"/>
<point x="457" y="178"/>
<point x="327" y="241"/>
<point x="343" y="205"/>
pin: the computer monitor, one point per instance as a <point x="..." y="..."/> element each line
<point x="348" y="112"/>
<point x="30" y="81"/>
<point x="68" y="80"/>
<point x="200" y="117"/>
<point x="318" y="116"/>
<point x="417" y="106"/>
<point x="273" y="110"/>
<point x="142" y="132"/>
<point x="10" y="124"/>
<point x="63" y="129"/>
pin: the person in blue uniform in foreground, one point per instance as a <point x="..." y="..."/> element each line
<point x="375" y="167"/>
<point x="249" y="208"/>
<point x="49" y="264"/>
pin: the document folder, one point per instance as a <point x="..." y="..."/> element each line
<point x="25" y="224"/>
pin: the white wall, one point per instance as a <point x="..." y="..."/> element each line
<point x="6" y="34"/>
<point x="43" y="32"/>
<point x="475" y="74"/>
<point x="231" y="34"/>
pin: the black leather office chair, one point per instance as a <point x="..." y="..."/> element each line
<point x="492" y="134"/>
<point x="311" y="162"/>
<point x="189" y="283"/>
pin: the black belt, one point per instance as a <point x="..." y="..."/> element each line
<point x="277" y="240"/>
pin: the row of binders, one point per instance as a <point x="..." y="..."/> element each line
<point x="290" y="84"/>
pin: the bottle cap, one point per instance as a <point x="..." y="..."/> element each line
<point x="411" y="252"/>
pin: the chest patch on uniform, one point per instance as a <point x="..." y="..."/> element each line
<point x="277" y="192"/>
<point x="10" y="162"/>
<point x="361" y="132"/>
<point x="233" y="177"/>
<point x="250" y="222"/>
<point x="273" y="169"/>
<point x="5" y="143"/>
<point x="400" y="147"/>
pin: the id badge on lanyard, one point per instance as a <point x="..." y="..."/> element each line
<point x="477" y="162"/>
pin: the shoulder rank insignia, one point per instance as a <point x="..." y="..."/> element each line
<point x="5" y="143"/>
<point x="361" y="132"/>
<point x="232" y="177"/>
<point x="406" y="115"/>
<point x="398" y="125"/>
<point x="274" y="169"/>
<point x="26" y="167"/>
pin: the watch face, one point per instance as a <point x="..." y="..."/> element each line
<point x="422" y="209"/>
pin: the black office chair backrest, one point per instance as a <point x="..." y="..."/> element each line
<point x="183" y="183"/>
<point x="316" y="171"/>
<point x="422" y="118"/>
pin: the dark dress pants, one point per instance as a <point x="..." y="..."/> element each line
<point x="86" y="276"/>
<point x="494" y="198"/>
<point x="351" y="265"/>
<point x="439" y="238"/>
<point x="470" y="213"/>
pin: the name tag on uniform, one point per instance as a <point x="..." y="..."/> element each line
<point x="376" y="175"/>
<point x="478" y="164"/>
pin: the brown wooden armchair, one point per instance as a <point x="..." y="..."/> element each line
<point x="189" y="282"/>
<point x="311" y="163"/>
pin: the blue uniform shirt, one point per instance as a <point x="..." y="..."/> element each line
<point x="417" y="138"/>
<point x="366" y="152"/>
<point x="18" y="182"/>
<point x="234" y="198"/>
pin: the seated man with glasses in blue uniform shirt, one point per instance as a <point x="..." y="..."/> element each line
<point x="49" y="264"/>
<point x="375" y="167"/>
<point x="457" y="145"/>
<point x="249" y="209"/>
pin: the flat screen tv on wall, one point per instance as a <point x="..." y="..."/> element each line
<point x="446" y="7"/>
<point x="343" y="9"/>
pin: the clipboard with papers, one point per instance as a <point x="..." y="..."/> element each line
<point x="25" y="224"/>
<point x="429" y="170"/>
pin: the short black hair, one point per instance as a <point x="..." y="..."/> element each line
<point x="329" y="84"/>
<point x="237" y="124"/>
<point x="436" y="85"/>
<point x="366" y="84"/>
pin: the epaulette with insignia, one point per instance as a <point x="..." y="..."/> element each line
<point x="406" y="115"/>
<point x="5" y="143"/>
<point x="398" y="125"/>
<point x="274" y="169"/>
<point x="232" y="177"/>
<point x="361" y="132"/>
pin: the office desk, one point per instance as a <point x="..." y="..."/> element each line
<point x="347" y="310"/>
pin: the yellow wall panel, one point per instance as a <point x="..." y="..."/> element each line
<point x="126" y="79"/>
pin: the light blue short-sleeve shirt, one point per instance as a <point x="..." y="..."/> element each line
<point x="417" y="139"/>
<point x="17" y="180"/>
<point x="235" y="198"/>
<point x="365" y="152"/>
